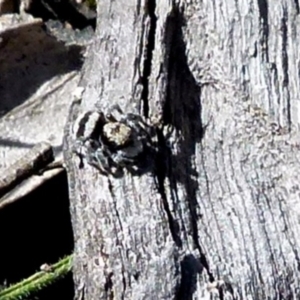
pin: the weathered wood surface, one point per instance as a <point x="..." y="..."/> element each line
<point x="38" y="75"/>
<point x="218" y="215"/>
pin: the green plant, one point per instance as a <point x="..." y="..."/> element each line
<point x="38" y="281"/>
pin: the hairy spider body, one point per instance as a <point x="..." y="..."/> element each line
<point x="117" y="133"/>
<point x="111" y="142"/>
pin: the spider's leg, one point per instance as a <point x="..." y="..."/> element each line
<point x="132" y="119"/>
<point x="99" y="161"/>
<point x="120" y="158"/>
<point x="96" y="156"/>
<point x="79" y="149"/>
<point x="114" y="113"/>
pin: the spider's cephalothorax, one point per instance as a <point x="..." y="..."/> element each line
<point x="114" y="141"/>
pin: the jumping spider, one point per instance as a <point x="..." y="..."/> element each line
<point x="113" y="141"/>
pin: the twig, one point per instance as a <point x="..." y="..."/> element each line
<point x="38" y="157"/>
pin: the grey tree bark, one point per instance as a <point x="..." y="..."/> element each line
<point x="217" y="215"/>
